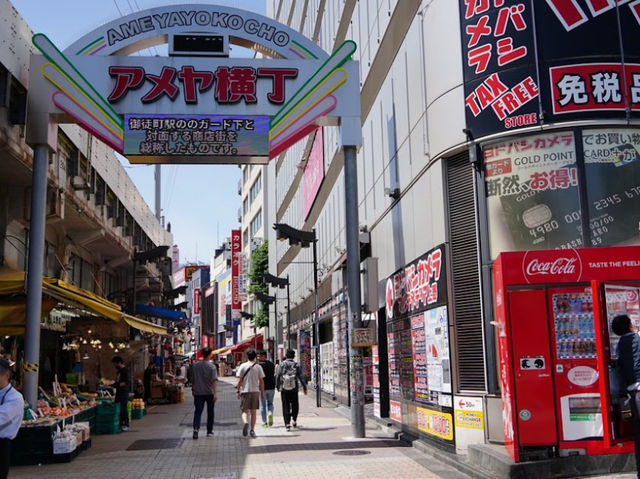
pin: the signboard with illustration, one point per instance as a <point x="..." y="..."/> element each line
<point x="418" y="344"/>
<point x="159" y="109"/>
<point x="532" y="188"/>
<point x="528" y="63"/>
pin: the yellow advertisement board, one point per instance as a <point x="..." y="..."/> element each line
<point x="436" y="423"/>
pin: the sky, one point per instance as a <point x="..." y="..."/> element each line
<point x="200" y="201"/>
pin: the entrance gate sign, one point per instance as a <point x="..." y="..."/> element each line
<point x="154" y="109"/>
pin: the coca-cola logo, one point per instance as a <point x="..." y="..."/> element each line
<point x="542" y="267"/>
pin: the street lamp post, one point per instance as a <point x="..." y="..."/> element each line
<point x="305" y="239"/>
<point x="281" y="283"/>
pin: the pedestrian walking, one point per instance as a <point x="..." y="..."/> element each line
<point x="266" y="404"/>
<point x="11" y="411"/>
<point x="288" y="380"/>
<point x="204" y="375"/>
<point x="122" y="385"/>
<point x="250" y="391"/>
<point x="629" y="363"/>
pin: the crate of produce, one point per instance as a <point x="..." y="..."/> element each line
<point x="33" y="445"/>
<point x="65" y="457"/>
<point x="112" y="428"/>
<point x="106" y="408"/>
<point x="137" y="413"/>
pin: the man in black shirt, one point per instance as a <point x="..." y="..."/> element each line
<point x="122" y="385"/>
<point x="266" y="404"/>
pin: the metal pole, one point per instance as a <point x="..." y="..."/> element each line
<point x="353" y="289"/>
<point x="316" y="320"/>
<point x="275" y="317"/>
<point x="35" y="268"/>
<point x="288" y="316"/>
<point x="158" y="185"/>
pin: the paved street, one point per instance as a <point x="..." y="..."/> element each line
<point x="160" y="445"/>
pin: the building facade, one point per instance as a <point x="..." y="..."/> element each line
<point x="97" y="220"/>
<point x="487" y="127"/>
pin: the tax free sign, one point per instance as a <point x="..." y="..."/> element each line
<point x="183" y="109"/>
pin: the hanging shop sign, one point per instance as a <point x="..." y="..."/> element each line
<point x="363" y="338"/>
<point x="236" y="264"/>
<point x="159" y="109"/>
<point x="417" y="286"/>
<point x="528" y="63"/>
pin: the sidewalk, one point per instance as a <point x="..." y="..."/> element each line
<point x="160" y="446"/>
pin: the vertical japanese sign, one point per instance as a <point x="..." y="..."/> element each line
<point x="196" y="301"/>
<point x="305" y="354"/>
<point x="236" y="261"/>
<point x="500" y="79"/>
<point x="313" y="174"/>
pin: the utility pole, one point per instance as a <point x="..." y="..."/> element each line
<point x="353" y="288"/>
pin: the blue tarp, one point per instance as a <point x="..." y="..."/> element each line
<point x="160" y="312"/>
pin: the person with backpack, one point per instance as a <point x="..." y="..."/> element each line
<point x="288" y="379"/>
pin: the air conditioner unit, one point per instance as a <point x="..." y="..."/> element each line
<point x="79" y="183"/>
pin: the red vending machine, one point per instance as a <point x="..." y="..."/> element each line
<point x="553" y="313"/>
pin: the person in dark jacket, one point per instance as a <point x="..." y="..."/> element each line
<point x="629" y="363"/>
<point x="122" y="384"/>
<point x="287" y="380"/>
<point x="266" y="404"/>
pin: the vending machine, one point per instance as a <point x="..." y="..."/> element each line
<point x="553" y="314"/>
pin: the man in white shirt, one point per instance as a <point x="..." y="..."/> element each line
<point x="11" y="412"/>
<point x="250" y="391"/>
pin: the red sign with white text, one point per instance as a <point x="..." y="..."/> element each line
<point x="595" y="86"/>
<point x="196" y="301"/>
<point x="236" y="252"/>
<point x="571" y="265"/>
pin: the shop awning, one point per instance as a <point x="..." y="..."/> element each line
<point x="223" y="350"/>
<point x="13" y="299"/>
<point x="251" y="342"/>
<point x="160" y="312"/>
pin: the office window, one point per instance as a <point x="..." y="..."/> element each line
<point x="255" y="188"/>
<point x="256" y="223"/>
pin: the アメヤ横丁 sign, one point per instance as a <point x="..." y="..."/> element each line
<point x="194" y="109"/>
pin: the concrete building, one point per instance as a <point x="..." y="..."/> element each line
<point x="96" y="218"/>
<point x="469" y="110"/>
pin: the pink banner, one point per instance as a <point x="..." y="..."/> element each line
<point x="313" y="174"/>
